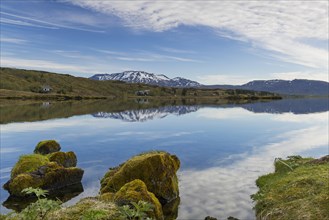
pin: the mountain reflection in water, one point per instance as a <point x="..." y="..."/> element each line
<point x="295" y="106"/>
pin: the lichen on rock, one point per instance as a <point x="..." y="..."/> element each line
<point x="136" y="191"/>
<point x="47" y="147"/>
<point x="156" y="169"/>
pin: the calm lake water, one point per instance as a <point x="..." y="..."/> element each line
<point x="223" y="148"/>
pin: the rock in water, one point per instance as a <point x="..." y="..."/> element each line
<point x="46" y="169"/>
<point x="47" y="147"/>
<point x="156" y="169"/>
<point x="51" y="176"/>
<point x="136" y="191"/>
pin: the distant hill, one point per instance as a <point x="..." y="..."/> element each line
<point x="147" y="78"/>
<point x="33" y="84"/>
<point x="287" y="87"/>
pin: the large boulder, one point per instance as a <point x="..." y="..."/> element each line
<point x="51" y="177"/>
<point x="47" y="147"/>
<point x="136" y="191"/>
<point x="156" y="169"/>
<point x="66" y="159"/>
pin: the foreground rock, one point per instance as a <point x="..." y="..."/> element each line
<point x="156" y="169"/>
<point x="136" y="191"/>
<point x="50" y="172"/>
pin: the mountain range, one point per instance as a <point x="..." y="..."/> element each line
<point x="286" y="87"/>
<point x="147" y="78"/>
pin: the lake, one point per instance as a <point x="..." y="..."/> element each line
<point x="223" y="147"/>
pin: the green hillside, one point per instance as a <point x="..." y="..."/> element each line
<point x="18" y="83"/>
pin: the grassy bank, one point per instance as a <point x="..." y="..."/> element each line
<point x="29" y="84"/>
<point x="298" y="189"/>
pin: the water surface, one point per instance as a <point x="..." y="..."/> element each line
<point x="223" y="147"/>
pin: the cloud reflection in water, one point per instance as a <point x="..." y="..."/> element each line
<point x="225" y="190"/>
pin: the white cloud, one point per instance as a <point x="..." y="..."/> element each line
<point x="12" y="40"/>
<point x="223" y="79"/>
<point x="237" y="79"/>
<point x="277" y="26"/>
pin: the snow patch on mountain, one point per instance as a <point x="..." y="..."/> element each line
<point x="147" y="78"/>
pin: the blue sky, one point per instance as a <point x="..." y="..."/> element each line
<point x="213" y="42"/>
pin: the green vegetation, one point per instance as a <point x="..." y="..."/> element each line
<point x="37" y="210"/>
<point x="139" y="211"/>
<point x="28" y="163"/>
<point x="298" y="189"/>
<point x="132" y="194"/>
<point x="29" y="84"/>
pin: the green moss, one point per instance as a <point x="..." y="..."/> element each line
<point x="136" y="191"/>
<point x="28" y="163"/>
<point x="51" y="176"/>
<point x="298" y="193"/>
<point x="88" y="208"/>
<point x="22" y="181"/>
<point x="59" y="177"/>
<point x="156" y="169"/>
<point x="67" y="159"/>
<point x="47" y="147"/>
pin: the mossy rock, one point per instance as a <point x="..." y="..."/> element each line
<point x="170" y="210"/>
<point x="47" y="147"/>
<point x="66" y="159"/>
<point x="20" y="182"/>
<point x="136" y="191"/>
<point x="51" y="176"/>
<point x="28" y="163"/>
<point x="156" y="169"/>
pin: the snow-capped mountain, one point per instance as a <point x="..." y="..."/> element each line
<point x="147" y="78"/>
<point x="147" y="114"/>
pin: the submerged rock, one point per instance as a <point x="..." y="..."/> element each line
<point x="47" y="147"/>
<point x="156" y="169"/>
<point x="66" y="159"/>
<point x="136" y="191"/>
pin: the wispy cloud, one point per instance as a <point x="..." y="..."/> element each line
<point x="279" y="27"/>
<point x="16" y="19"/>
<point x="12" y="40"/>
<point x="61" y="67"/>
<point x="145" y="56"/>
<point x="174" y="50"/>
